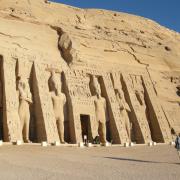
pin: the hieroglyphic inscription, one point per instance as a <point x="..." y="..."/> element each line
<point x="81" y="102"/>
<point x="135" y="91"/>
<point x="118" y="131"/>
<point x="47" y="114"/>
<point x="11" y="121"/>
<point x="159" y="118"/>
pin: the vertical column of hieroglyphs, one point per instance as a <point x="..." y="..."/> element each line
<point x="74" y="121"/>
<point x="11" y="121"/>
<point x="135" y="92"/>
<point x="159" y="123"/>
<point x="46" y="123"/>
<point x="118" y="131"/>
<point x="124" y="108"/>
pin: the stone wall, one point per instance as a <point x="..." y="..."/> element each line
<point x="69" y="74"/>
<point x="133" y="111"/>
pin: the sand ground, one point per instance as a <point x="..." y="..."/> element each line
<point x="32" y="162"/>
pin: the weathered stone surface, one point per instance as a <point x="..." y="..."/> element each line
<point x="135" y="61"/>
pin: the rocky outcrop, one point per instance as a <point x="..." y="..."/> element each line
<point x="119" y="74"/>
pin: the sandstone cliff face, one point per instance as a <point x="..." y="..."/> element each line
<point x="122" y="51"/>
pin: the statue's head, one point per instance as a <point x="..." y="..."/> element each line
<point x="22" y="82"/>
<point x="96" y="86"/>
<point x="119" y="92"/>
<point x="56" y="81"/>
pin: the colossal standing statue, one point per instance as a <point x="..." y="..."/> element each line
<point x="59" y="100"/>
<point x="25" y="99"/>
<point x="124" y="110"/>
<point x="100" y="107"/>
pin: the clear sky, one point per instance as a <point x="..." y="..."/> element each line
<point x="165" y="12"/>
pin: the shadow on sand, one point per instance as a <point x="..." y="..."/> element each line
<point x="137" y="160"/>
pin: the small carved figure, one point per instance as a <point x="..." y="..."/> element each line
<point x="59" y="100"/>
<point x="140" y="97"/>
<point x="124" y="110"/>
<point x="100" y="107"/>
<point x="139" y="90"/>
<point x="25" y="99"/>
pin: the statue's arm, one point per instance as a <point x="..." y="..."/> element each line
<point x="29" y="98"/>
<point x="127" y="107"/>
<point x="105" y="105"/>
<point x="65" y="99"/>
<point x="94" y="98"/>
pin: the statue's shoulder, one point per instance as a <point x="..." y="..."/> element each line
<point x="94" y="98"/>
<point x="63" y="97"/>
<point x="103" y="99"/>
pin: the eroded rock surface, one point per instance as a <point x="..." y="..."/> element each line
<point x="135" y="60"/>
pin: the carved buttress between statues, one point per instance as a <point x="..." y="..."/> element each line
<point x="100" y="108"/>
<point x="59" y="101"/>
<point x="25" y="99"/>
<point x="142" y="108"/>
<point x="131" y="104"/>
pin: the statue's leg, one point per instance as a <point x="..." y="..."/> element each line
<point x="26" y="128"/>
<point x="102" y="132"/>
<point x="128" y="128"/>
<point x="21" y="116"/>
<point x="60" y="126"/>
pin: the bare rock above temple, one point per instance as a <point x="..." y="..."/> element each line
<point x="96" y="36"/>
<point x="71" y="74"/>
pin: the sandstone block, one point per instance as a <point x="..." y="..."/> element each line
<point x="131" y="144"/>
<point x="150" y="144"/>
<point x="172" y="143"/>
<point x="89" y="145"/>
<point x="18" y="142"/>
<point x="81" y="144"/>
<point x="44" y="144"/>
<point x="56" y="143"/>
<point x="126" y="144"/>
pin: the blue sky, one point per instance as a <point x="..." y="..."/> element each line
<point x="165" y="12"/>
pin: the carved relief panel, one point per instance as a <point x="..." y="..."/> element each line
<point x="124" y="107"/>
<point x="117" y="124"/>
<point x="81" y="103"/>
<point x="46" y="123"/>
<point x="11" y="120"/>
<point x="166" y="85"/>
<point x="139" y="116"/>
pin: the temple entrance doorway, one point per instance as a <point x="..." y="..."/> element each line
<point x="86" y="128"/>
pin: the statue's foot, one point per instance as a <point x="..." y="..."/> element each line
<point x="27" y="141"/>
<point x="63" y="142"/>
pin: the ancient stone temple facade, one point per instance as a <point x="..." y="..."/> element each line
<point x="69" y="73"/>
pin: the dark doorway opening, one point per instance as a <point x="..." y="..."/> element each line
<point x="86" y="127"/>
